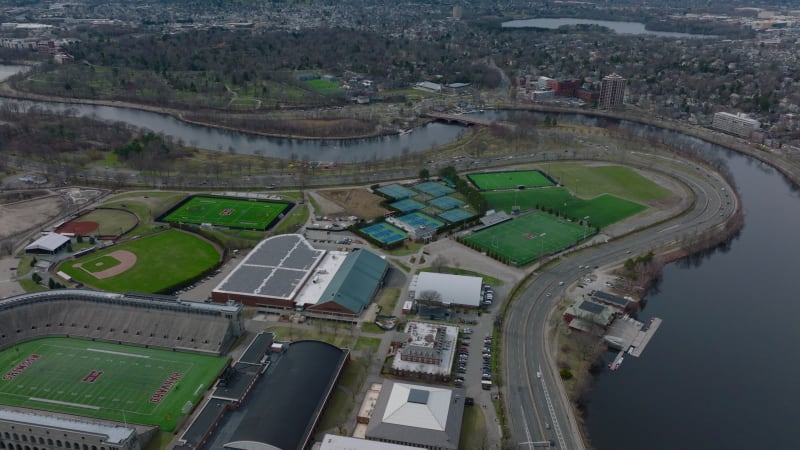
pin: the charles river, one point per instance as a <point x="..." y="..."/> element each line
<point x="723" y="370"/>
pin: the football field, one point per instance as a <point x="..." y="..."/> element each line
<point x="108" y="381"/>
<point x="509" y="180"/>
<point x="226" y="212"/>
<point x="526" y="238"/>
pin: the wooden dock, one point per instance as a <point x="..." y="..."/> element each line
<point x="634" y="336"/>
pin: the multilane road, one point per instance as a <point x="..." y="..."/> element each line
<point x="536" y="404"/>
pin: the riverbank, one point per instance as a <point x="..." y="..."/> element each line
<point x="6" y="90"/>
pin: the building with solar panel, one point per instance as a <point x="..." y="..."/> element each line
<point x="589" y="316"/>
<point x="286" y="272"/>
<point x="417" y="415"/>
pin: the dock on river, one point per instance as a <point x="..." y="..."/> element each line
<point x="631" y="337"/>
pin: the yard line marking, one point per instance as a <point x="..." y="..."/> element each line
<point x="132" y="355"/>
<point x="76" y="405"/>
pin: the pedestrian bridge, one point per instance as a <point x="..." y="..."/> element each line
<point x="465" y="119"/>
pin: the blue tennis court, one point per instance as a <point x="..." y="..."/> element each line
<point x="417" y="219"/>
<point x="407" y="205"/>
<point x="396" y="191"/>
<point x="385" y="233"/>
<point x="446" y="202"/>
<point x="456" y="215"/>
<point x="434" y="189"/>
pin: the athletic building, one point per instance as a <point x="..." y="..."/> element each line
<point x="286" y="272"/>
<point x="451" y="289"/>
<point x="417" y="415"/>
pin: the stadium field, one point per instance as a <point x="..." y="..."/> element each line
<point x="509" y="180"/>
<point x="152" y="264"/>
<point x="528" y="237"/>
<point x="591" y="181"/>
<point x="602" y="210"/>
<point x="226" y="212"/>
<point x="107" y="381"/>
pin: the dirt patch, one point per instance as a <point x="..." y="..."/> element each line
<point x="126" y="261"/>
<point x="84" y="228"/>
<point x="25" y="215"/>
<point x="357" y="202"/>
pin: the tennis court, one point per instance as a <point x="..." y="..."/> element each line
<point x="434" y="189"/>
<point x="407" y="205"/>
<point x="396" y="191"/>
<point x="446" y="202"/>
<point x="418" y="219"/>
<point x="511" y="179"/>
<point x="385" y="233"/>
<point x="528" y="237"/>
<point x="456" y="215"/>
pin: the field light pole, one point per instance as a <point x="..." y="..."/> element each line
<point x="586" y="226"/>
<point x="541" y="244"/>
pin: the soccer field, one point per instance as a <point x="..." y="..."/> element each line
<point x="509" y="180"/>
<point x="226" y="212"/>
<point x="107" y="381"/>
<point x="528" y="237"/>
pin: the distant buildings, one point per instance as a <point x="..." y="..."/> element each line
<point x="612" y="92"/>
<point x="738" y="124"/>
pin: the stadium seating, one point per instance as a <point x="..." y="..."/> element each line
<point x="137" y="320"/>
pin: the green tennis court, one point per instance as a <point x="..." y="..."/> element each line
<point x="106" y="381"/>
<point x="526" y="238"/>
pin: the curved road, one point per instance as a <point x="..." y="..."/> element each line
<point x="537" y="407"/>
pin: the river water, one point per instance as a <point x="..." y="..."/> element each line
<point x="617" y="27"/>
<point x="344" y="151"/>
<point x="720" y="372"/>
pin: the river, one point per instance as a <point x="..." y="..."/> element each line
<point x="208" y="138"/>
<point x="720" y="373"/>
<point x="617" y="27"/>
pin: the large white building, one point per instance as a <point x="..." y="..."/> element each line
<point x="738" y="124"/>
<point x="418" y="415"/>
<point x="451" y="289"/>
<point x="427" y="350"/>
<point x="612" y="92"/>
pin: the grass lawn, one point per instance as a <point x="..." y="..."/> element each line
<point x="371" y="327"/>
<point x="388" y="300"/>
<point x="365" y="343"/>
<point x="591" y="181"/>
<point x="324" y="87"/>
<point x="602" y="210"/>
<point x="473" y="428"/>
<point x="292" y="222"/>
<point x="508" y="180"/>
<point x="163" y="260"/>
<point x="228" y="212"/>
<point x="342" y="338"/>
<point x="110" y="221"/>
<point x="107" y="381"/>
<point x="528" y="237"/>
<point x="343" y="399"/>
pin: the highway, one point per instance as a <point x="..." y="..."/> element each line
<point x="537" y="408"/>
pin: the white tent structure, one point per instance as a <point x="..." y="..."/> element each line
<point x="48" y="243"/>
<point x="452" y="289"/>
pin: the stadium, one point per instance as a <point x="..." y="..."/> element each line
<point x="65" y="354"/>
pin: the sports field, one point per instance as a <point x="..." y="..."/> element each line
<point x="508" y="180"/>
<point x="527" y="237"/>
<point x="107" y="381"/>
<point x="602" y="210"/>
<point x="226" y="212"/>
<point x="152" y="264"/>
<point x="591" y="181"/>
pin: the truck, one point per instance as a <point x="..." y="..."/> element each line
<point x="486" y="385"/>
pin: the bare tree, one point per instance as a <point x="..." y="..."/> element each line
<point x="430" y="297"/>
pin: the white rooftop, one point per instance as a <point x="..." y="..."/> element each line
<point x="49" y="242"/>
<point x="114" y="434"/>
<point x="453" y="289"/>
<point x="420" y="335"/>
<point x="334" y="442"/>
<point x="320" y="278"/>
<point x="418" y="406"/>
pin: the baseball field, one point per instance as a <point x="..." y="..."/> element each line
<point x="152" y="264"/>
<point x="106" y="381"/>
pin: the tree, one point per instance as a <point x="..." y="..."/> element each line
<point x="424" y="174"/>
<point x="430" y="297"/>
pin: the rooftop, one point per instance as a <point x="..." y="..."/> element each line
<point x="114" y="434"/>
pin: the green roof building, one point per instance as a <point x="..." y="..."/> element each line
<point x="354" y="285"/>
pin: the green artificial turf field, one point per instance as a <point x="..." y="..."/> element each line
<point x="509" y="180"/>
<point x="601" y="211"/>
<point x="163" y="260"/>
<point x="227" y="212"/>
<point x="107" y="381"/>
<point x="527" y="237"/>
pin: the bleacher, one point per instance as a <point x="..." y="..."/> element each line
<point x="159" y="322"/>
